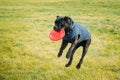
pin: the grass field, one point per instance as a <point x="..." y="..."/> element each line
<point x="27" y="53"/>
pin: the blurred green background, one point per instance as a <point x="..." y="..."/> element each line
<point x="27" y="53"/>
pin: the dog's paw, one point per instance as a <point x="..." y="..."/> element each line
<point x="59" y="55"/>
<point x="68" y="55"/>
<point x="78" y="66"/>
<point x="67" y="65"/>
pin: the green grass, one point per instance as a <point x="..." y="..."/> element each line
<point x="27" y="53"/>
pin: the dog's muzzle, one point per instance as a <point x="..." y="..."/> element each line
<point x="56" y="28"/>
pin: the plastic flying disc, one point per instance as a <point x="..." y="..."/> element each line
<point x="56" y="35"/>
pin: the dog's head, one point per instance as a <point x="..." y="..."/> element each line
<point x="63" y="23"/>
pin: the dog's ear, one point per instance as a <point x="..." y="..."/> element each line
<point x="57" y="16"/>
<point x="68" y="19"/>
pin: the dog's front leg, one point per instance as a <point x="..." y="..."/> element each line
<point x="85" y="49"/>
<point x="71" y="51"/>
<point x="63" y="46"/>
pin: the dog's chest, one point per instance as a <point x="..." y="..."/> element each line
<point x="69" y="36"/>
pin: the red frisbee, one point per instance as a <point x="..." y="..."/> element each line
<point x="56" y="35"/>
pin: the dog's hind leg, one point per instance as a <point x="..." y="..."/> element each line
<point x="72" y="50"/>
<point x="85" y="49"/>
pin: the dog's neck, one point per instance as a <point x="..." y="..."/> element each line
<point x="69" y="29"/>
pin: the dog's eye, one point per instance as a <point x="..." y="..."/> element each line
<point x="62" y="25"/>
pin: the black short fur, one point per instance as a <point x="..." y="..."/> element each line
<point x="65" y="23"/>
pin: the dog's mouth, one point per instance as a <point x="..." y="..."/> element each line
<point x="57" y="29"/>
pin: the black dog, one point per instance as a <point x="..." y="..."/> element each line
<point x="75" y="34"/>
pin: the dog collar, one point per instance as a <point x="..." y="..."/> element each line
<point x="73" y="25"/>
<point x="71" y="28"/>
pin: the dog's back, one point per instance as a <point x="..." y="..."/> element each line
<point x="77" y="29"/>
